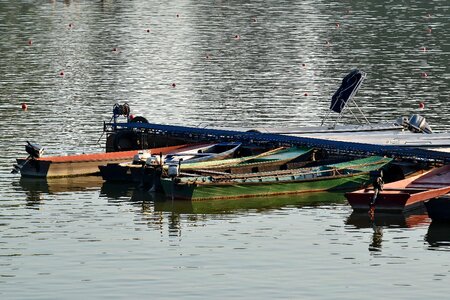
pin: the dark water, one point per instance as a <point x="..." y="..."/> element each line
<point x="262" y="63"/>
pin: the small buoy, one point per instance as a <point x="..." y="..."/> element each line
<point x="70" y="25"/>
<point x="24" y="106"/>
<point x="424" y="74"/>
<point x="424" y="49"/>
<point x="178" y="15"/>
<point x="30" y="42"/>
<point x="131" y="117"/>
<point x="148" y="30"/>
<point x="174" y="85"/>
<point x="338" y="25"/>
<point x="303" y="65"/>
<point x="237" y="37"/>
<point x="61" y="73"/>
<point x="254" y="20"/>
<point x="114" y="49"/>
<point x="421" y="105"/>
<point x="306" y="94"/>
<point x="327" y="43"/>
<point x="207" y="56"/>
<point x="429" y="29"/>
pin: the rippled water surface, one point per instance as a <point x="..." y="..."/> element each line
<point x="259" y="63"/>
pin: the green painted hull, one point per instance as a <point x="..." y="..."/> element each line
<point x="195" y="191"/>
<point x="343" y="176"/>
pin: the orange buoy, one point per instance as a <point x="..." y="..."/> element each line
<point x="421" y="105"/>
<point x="131" y="117"/>
<point x="24" y="106"/>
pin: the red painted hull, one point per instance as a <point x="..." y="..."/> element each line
<point x="79" y="165"/>
<point x="405" y="194"/>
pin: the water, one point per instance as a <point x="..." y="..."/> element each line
<point x="81" y="237"/>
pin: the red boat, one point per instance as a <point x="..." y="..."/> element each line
<point x="404" y="194"/>
<point x="77" y="165"/>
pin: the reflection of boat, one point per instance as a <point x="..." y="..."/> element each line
<point x="402" y="220"/>
<point x="439" y="208"/>
<point x="75" y="165"/>
<point x="438" y="234"/>
<point x="339" y="176"/>
<point x="116" y="190"/>
<point x="259" y="204"/>
<point x="404" y="194"/>
<point x="60" y="185"/>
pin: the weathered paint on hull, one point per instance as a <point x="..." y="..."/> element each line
<point x="393" y="201"/>
<point x="244" y="190"/>
<point x="78" y="165"/>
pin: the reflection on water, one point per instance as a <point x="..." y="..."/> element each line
<point x="438" y="236"/>
<point x="70" y="61"/>
<point x="380" y="221"/>
<point x="154" y="207"/>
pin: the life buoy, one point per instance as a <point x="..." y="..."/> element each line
<point x="138" y="119"/>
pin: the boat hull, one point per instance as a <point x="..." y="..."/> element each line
<point x="406" y="194"/>
<point x="218" y="191"/>
<point x="78" y="165"/>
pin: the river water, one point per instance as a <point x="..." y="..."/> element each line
<point x="210" y="63"/>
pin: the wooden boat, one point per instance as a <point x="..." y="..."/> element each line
<point x="439" y="208"/>
<point x="323" y="178"/>
<point x="281" y="158"/>
<point x="134" y="171"/>
<point x="271" y="160"/>
<point x="404" y="194"/>
<point x="76" y="165"/>
<point x="205" y="153"/>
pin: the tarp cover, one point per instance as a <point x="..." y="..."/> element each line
<point x="348" y="85"/>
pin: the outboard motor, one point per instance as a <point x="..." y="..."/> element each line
<point x="153" y="161"/>
<point x="417" y="123"/>
<point x="141" y="157"/>
<point x="34" y="150"/>
<point x="173" y="171"/>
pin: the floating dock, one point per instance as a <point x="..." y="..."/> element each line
<point x="334" y="146"/>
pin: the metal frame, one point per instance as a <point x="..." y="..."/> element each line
<point x="346" y="107"/>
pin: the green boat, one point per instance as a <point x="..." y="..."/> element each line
<point x="341" y="176"/>
<point x="271" y="160"/>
